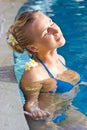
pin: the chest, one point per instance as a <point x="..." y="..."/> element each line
<point x="58" y="71"/>
<point x="51" y="70"/>
<point x="69" y="76"/>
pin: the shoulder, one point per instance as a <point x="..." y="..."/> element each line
<point x="61" y="58"/>
<point x="31" y="75"/>
<point x="30" y="82"/>
<point x="31" y="71"/>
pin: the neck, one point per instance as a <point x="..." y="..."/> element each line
<point x="46" y="57"/>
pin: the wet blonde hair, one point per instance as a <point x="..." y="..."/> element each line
<point x="20" y="31"/>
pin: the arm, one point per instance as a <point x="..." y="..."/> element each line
<point x="31" y="90"/>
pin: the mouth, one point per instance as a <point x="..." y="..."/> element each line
<point x="58" y="38"/>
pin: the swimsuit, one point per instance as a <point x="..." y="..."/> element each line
<point x="62" y="86"/>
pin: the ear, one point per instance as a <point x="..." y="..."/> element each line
<point x="32" y="48"/>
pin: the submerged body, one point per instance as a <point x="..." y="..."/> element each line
<point x="58" y="103"/>
<point x="63" y="113"/>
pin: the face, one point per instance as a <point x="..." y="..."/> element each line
<point x="47" y="35"/>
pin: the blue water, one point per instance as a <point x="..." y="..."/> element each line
<point x="71" y="16"/>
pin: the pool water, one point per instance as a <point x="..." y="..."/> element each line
<point x="71" y="16"/>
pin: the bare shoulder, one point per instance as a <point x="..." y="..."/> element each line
<point x="61" y="58"/>
<point x="31" y="75"/>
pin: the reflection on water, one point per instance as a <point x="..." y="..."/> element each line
<point x="64" y="115"/>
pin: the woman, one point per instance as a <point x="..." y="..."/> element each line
<point x="46" y="74"/>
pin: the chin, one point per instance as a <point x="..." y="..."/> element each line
<point x="61" y="42"/>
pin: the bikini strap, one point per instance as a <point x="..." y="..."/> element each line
<point x="51" y="75"/>
<point x="61" y="62"/>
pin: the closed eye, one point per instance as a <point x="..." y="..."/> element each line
<point x="46" y="30"/>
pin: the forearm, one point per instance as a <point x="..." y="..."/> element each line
<point x="31" y="101"/>
<point x="29" y="106"/>
<point x="31" y="93"/>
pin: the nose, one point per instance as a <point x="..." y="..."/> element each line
<point x="54" y="29"/>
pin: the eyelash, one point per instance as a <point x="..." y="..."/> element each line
<point x="47" y="29"/>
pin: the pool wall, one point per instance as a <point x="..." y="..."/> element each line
<point x="11" y="112"/>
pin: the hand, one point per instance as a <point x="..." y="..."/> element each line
<point x="37" y="114"/>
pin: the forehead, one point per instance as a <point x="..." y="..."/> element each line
<point x="40" y="22"/>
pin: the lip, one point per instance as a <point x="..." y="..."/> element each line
<point x="58" y="38"/>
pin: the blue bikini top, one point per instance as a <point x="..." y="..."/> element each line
<point x="62" y="86"/>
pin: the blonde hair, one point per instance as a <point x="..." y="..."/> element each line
<point x="19" y="33"/>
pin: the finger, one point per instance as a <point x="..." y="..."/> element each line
<point x="27" y="113"/>
<point x="47" y="113"/>
<point x="39" y="114"/>
<point x="34" y="114"/>
<point x="44" y="115"/>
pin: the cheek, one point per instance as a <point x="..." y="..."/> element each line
<point x="49" y="42"/>
<point x="48" y="39"/>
